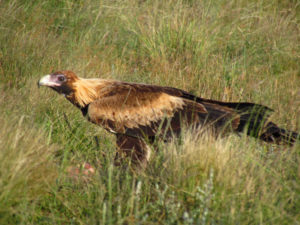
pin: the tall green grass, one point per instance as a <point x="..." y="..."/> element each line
<point x="232" y="50"/>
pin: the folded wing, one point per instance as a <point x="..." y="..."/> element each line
<point x="145" y="110"/>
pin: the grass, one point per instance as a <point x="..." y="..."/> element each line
<point x="234" y="50"/>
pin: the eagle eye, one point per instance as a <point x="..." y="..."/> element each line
<point x="61" y="78"/>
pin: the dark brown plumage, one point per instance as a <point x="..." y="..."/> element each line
<point x="140" y="113"/>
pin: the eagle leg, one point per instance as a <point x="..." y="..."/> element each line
<point x="134" y="148"/>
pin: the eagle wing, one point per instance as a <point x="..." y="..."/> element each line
<point x="146" y="110"/>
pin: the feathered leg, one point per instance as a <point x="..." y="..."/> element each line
<point x="134" y="148"/>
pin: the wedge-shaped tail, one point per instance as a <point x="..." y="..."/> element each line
<point x="274" y="134"/>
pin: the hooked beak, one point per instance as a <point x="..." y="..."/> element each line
<point x="47" y="81"/>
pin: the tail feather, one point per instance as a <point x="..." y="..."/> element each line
<point x="252" y="116"/>
<point x="274" y="134"/>
<point x="253" y="120"/>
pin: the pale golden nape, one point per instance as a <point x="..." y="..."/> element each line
<point x="88" y="90"/>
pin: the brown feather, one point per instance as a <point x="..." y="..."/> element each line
<point x="130" y="110"/>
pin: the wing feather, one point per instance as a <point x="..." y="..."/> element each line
<point x="130" y="107"/>
<point x="121" y="112"/>
<point x="138" y="109"/>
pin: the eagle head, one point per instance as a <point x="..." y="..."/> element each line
<point x="77" y="90"/>
<point x="60" y="81"/>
